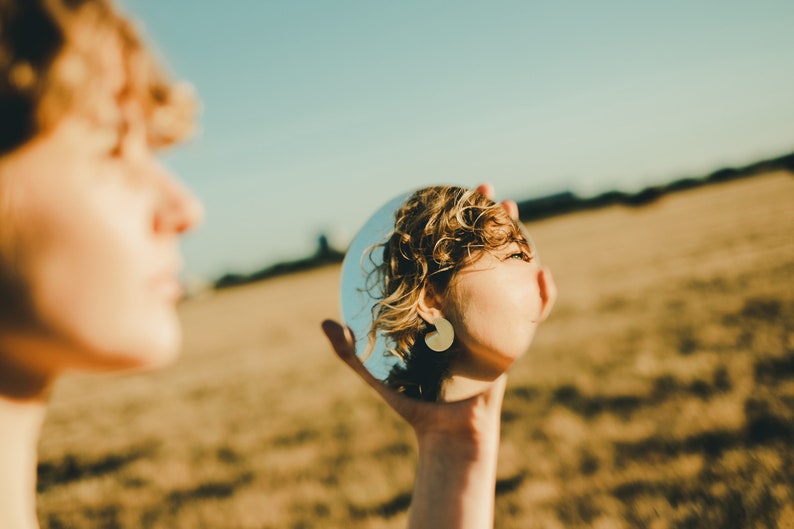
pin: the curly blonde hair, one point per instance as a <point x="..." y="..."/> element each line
<point x="437" y="231"/>
<point x="50" y="65"/>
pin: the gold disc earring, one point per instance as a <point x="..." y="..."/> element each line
<point x="441" y="339"/>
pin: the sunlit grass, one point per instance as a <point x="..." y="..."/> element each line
<point x="659" y="394"/>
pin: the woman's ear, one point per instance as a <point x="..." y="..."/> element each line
<point x="429" y="304"/>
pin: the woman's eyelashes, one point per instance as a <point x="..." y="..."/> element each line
<point x="523" y="255"/>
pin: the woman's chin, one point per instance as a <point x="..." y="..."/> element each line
<point x="157" y="359"/>
<point x="494" y="363"/>
<point x="157" y="347"/>
<point x="151" y="359"/>
<point x="145" y="352"/>
<point x="160" y="354"/>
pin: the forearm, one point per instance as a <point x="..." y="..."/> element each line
<point x="455" y="482"/>
<point x="458" y="445"/>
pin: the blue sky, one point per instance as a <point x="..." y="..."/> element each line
<point x="317" y="112"/>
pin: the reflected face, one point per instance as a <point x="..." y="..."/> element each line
<point x="442" y="251"/>
<point x="94" y="225"/>
<point x="494" y="305"/>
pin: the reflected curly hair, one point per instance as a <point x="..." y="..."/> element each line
<point x="437" y="231"/>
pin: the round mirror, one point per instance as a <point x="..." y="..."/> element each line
<point x="441" y="289"/>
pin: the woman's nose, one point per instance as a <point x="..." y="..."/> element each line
<point x="548" y="292"/>
<point x="178" y="209"/>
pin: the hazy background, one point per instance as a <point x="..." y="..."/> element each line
<point x="660" y="392"/>
<point x="315" y="113"/>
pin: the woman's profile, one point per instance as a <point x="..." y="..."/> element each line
<point x="458" y="293"/>
<point x="89" y="257"/>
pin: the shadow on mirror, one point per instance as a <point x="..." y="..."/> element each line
<point x="441" y="289"/>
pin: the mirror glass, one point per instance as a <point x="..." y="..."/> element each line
<point x="449" y="252"/>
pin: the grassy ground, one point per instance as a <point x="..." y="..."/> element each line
<point x="659" y="394"/>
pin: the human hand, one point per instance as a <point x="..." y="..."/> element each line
<point x="458" y="446"/>
<point x="474" y="419"/>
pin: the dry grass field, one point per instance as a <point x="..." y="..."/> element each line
<point x="659" y="394"/>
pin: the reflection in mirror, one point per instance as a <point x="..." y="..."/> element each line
<point x="440" y="288"/>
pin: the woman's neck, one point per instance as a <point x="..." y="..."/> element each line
<point x="20" y="424"/>
<point x="459" y="387"/>
<point x="24" y="392"/>
<point x="468" y="376"/>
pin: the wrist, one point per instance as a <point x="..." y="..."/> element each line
<point x="455" y="481"/>
<point x="470" y="446"/>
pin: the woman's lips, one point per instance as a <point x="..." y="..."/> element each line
<point x="169" y="286"/>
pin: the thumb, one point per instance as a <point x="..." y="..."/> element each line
<point x="344" y="344"/>
<point x="341" y="339"/>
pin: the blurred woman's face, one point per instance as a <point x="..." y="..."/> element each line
<point x="94" y="226"/>
<point x="494" y="305"/>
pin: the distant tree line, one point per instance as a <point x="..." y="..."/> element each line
<point x="325" y="254"/>
<point x="534" y="209"/>
<point x="568" y="202"/>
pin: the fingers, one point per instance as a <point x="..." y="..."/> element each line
<point x="511" y="207"/>
<point x="344" y="344"/>
<point x="475" y="415"/>
<point x="486" y="189"/>
<point x="341" y="340"/>
<point x="548" y="292"/>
